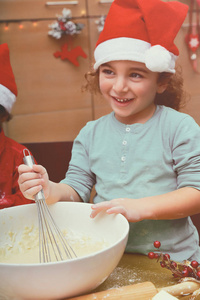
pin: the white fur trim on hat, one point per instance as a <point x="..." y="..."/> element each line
<point x="156" y="58"/>
<point x="7" y="98"/>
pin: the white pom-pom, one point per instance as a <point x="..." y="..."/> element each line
<point x="158" y="59"/>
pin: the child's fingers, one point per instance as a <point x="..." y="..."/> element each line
<point x="23" y="169"/>
<point x="30" y="193"/>
<point x="28" y="176"/>
<point x="93" y="214"/>
<point x="111" y="207"/>
<point x="30" y="187"/>
<point x="101" y="205"/>
<point x="39" y="169"/>
<point x="30" y="181"/>
<point x="35" y="169"/>
<point x="117" y="210"/>
<point x="33" y="182"/>
<point x="97" y="208"/>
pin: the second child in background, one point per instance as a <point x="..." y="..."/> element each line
<point x="11" y="152"/>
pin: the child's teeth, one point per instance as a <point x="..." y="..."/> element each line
<point x="122" y="100"/>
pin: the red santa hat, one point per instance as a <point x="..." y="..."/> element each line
<point x="143" y="31"/>
<point x="8" y="87"/>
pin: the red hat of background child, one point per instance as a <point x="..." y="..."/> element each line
<point x="8" y="87"/>
<point x="143" y="31"/>
<point x="6" y="73"/>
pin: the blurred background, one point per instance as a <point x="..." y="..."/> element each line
<point x="50" y="106"/>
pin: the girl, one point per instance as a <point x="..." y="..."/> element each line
<point x="144" y="157"/>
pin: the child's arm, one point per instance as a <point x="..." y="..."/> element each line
<point x="32" y="180"/>
<point x="173" y="205"/>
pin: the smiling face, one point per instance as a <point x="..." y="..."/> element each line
<point x="130" y="89"/>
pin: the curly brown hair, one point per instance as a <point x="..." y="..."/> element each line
<point x="174" y="96"/>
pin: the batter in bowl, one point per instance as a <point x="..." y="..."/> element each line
<point x="23" y="248"/>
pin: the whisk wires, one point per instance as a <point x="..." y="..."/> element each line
<point x="52" y="243"/>
<point x="53" y="246"/>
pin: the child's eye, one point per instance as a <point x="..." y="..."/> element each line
<point x="107" y="71"/>
<point x="135" y="75"/>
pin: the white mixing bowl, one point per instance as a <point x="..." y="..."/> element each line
<point x="62" y="279"/>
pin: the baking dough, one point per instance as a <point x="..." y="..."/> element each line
<point x="162" y="295"/>
<point x="24" y="248"/>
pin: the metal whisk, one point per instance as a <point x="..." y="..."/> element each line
<point x="52" y="242"/>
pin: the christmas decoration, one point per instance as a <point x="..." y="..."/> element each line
<point x="64" y="26"/>
<point x="100" y="23"/>
<point x="193" y="36"/>
<point x="186" y="271"/>
<point x="71" y="55"/>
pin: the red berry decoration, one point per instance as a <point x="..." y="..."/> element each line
<point x="179" y="270"/>
<point x="166" y="256"/>
<point x="190" y="270"/>
<point x="163" y="265"/>
<point x="151" y="255"/>
<point x="198" y="274"/>
<point x="156" y="255"/>
<point x="173" y="265"/>
<point x="194" y="264"/>
<point x="157" y="244"/>
<point x="185" y="273"/>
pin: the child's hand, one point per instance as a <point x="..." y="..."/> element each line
<point x="32" y="180"/>
<point x="129" y="208"/>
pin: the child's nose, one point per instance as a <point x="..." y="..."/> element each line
<point x="120" y="85"/>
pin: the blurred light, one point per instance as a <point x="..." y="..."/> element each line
<point x="21" y="26"/>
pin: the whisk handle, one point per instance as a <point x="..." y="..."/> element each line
<point x="29" y="161"/>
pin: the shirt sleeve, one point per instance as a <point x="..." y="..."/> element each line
<point x="14" y="200"/>
<point x="11" y="194"/>
<point x="79" y="175"/>
<point x="186" y="153"/>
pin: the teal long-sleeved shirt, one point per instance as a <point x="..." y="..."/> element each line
<point x="141" y="160"/>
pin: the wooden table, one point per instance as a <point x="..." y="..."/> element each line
<point x="134" y="268"/>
